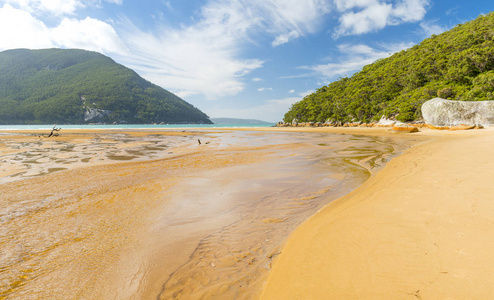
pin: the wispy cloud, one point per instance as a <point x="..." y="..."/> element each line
<point x="187" y="62"/>
<point x="55" y="7"/>
<point x="431" y="27"/>
<point x="453" y="10"/>
<point x="353" y="58"/>
<point x="264" y="89"/>
<point x="363" y="16"/>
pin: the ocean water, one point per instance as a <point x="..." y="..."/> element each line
<point x="130" y="126"/>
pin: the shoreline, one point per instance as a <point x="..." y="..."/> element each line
<point x="234" y="142"/>
<point x="93" y="210"/>
<point x="420" y="228"/>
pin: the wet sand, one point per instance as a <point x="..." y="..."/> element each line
<point x="421" y="228"/>
<point x="152" y="214"/>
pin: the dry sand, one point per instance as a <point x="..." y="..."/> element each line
<point x="422" y="228"/>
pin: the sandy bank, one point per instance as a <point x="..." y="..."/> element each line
<point x="422" y="228"/>
<point x="102" y="214"/>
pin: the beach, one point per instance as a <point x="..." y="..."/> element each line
<point x="419" y="229"/>
<point x="277" y="213"/>
<point x="138" y="214"/>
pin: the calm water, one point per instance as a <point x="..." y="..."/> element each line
<point x="189" y="221"/>
<point x="131" y="126"/>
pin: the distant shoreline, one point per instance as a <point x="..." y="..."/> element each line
<point x="132" y="126"/>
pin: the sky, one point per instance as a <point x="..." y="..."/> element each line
<point x="247" y="59"/>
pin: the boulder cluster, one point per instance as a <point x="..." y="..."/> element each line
<point x="437" y="113"/>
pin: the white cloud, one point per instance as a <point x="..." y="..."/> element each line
<point x="54" y="7"/>
<point x="285" y="38"/>
<point x="430" y="28"/>
<point x="186" y="61"/>
<point x="291" y="91"/>
<point x="257" y="79"/>
<point x="343" y="5"/>
<point x="371" y="18"/>
<point x="354" y="58"/>
<point x="452" y="11"/>
<point x="308" y="92"/>
<point x="21" y="30"/>
<point x="363" y="16"/>
<point x="26" y="31"/>
<point x="89" y="34"/>
<point x="291" y="19"/>
<point x="409" y="11"/>
<point x="264" y="89"/>
<point x="119" y="2"/>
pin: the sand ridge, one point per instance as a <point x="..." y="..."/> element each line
<point x="420" y="229"/>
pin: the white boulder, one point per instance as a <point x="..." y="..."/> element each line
<point x="442" y="112"/>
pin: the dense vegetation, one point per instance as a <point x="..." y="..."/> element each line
<point x="58" y="86"/>
<point x="457" y="64"/>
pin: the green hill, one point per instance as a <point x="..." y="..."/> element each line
<point x="457" y="64"/>
<point x="76" y="86"/>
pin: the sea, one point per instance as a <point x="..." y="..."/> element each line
<point x="132" y="126"/>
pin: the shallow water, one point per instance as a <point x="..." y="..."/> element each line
<point x="191" y="221"/>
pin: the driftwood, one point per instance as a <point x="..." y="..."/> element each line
<point x="54" y="131"/>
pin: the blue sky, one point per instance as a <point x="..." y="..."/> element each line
<point x="234" y="58"/>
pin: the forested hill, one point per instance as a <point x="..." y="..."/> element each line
<point x="457" y="64"/>
<point x="76" y="86"/>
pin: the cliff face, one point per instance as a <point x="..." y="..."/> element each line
<point x="76" y="86"/>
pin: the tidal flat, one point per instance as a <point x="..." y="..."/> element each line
<point x="166" y="214"/>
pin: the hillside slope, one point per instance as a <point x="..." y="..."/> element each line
<point x="457" y="64"/>
<point x="77" y="86"/>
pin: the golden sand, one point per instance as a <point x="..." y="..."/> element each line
<point x="145" y="213"/>
<point x="422" y="228"/>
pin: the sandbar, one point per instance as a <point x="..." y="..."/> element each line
<point x="421" y="228"/>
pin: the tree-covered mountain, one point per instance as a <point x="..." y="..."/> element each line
<point x="76" y="86"/>
<point x="457" y="64"/>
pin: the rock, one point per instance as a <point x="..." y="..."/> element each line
<point x="440" y="112"/>
<point x="294" y="122"/>
<point x="95" y="114"/>
<point x="438" y="127"/>
<point x="383" y="122"/>
<point x="405" y="128"/>
<point x="462" y="127"/>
